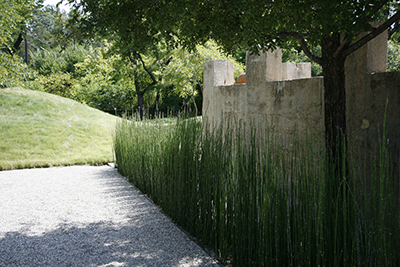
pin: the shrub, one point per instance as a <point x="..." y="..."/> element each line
<point x="58" y="83"/>
<point x="13" y="72"/>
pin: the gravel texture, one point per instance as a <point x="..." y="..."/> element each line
<point x="86" y="216"/>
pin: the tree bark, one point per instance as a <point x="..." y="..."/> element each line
<point x="195" y="106"/>
<point x="335" y="105"/>
<point x="141" y="104"/>
<point x="156" y="103"/>
<point x="140" y="95"/>
<point x="18" y="42"/>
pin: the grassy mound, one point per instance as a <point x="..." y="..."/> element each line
<point x="38" y="129"/>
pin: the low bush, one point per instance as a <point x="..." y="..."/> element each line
<point x="13" y="71"/>
<point x="58" y="84"/>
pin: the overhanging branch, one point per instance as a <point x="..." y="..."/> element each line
<point x="303" y="45"/>
<point x="343" y="44"/>
<point x="145" y="68"/>
<point x="375" y="32"/>
<point x="377" y="7"/>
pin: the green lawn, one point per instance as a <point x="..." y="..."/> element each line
<point x="38" y="129"/>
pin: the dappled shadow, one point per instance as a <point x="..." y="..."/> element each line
<point x="135" y="233"/>
<point x="99" y="244"/>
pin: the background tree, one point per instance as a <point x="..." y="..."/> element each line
<point x="334" y="26"/>
<point x="185" y="72"/>
<point x="393" y="56"/>
<point x="140" y="43"/>
<point x="48" y="29"/>
<point x="14" y="16"/>
<point x="102" y="82"/>
<point x="389" y="9"/>
<point x="133" y="40"/>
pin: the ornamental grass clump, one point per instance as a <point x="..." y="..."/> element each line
<point x="256" y="203"/>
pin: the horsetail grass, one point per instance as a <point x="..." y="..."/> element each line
<point x="256" y="203"/>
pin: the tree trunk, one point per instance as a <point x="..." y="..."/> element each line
<point x="18" y="42"/>
<point x="156" y="103"/>
<point x="335" y="106"/>
<point x="140" y="103"/>
<point x="195" y="106"/>
<point x="336" y="187"/>
<point x="140" y="96"/>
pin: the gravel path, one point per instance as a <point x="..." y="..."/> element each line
<point x="86" y="216"/>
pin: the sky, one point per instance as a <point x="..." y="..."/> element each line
<point x="54" y="2"/>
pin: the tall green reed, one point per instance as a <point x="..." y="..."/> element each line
<point x="256" y="203"/>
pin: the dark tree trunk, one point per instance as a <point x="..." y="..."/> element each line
<point x="156" y="103"/>
<point x="335" y="137"/>
<point x="195" y="106"/>
<point x="18" y="42"/>
<point x="140" y="93"/>
<point x="26" y="48"/>
<point x="140" y="96"/>
<point x="140" y="104"/>
<point x="335" y="105"/>
<point x="16" y="45"/>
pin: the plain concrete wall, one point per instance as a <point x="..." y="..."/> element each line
<point x="262" y="67"/>
<point x="291" y="70"/>
<point x="289" y="106"/>
<point x="216" y="73"/>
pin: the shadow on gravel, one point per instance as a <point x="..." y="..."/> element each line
<point x="126" y="230"/>
<point x="94" y="245"/>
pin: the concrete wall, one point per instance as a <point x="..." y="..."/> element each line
<point x="292" y="71"/>
<point x="288" y="105"/>
<point x="273" y="91"/>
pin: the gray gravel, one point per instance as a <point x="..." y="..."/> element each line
<point x="86" y="216"/>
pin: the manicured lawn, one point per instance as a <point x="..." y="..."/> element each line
<point x="38" y="129"/>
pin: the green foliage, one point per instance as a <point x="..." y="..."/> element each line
<point x="57" y="83"/>
<point x="13" y="72"/>
<point x="255" y="203"/>
<point x="13" y="16"/>
<point x="109" y="81"/>
<point x="42" y="30"/>
<point x="232" y="24"/>
<point x="298" y="56"/>
<point x="96" y="61"/>
<point x="86" y="74"/>
<point x="393" y="56"/>
<point x="105" y="82"/>
<point x="47" y="62"/>
<point x="98" y="18"/>
<point x="185" y="71"/>
<point x="170" y="102"/>
<point x="54" y="60"/>
<point x="95" y="91"/>
<point x="334" y="26"/>
<point x="146" y="49"/>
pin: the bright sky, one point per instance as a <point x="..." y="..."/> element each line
<point x="54" y="2"/>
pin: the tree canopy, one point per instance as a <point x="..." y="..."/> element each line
<point x="250" y="23"/>
<point x="14" y="15"/>
<point x="334" y="26"/>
